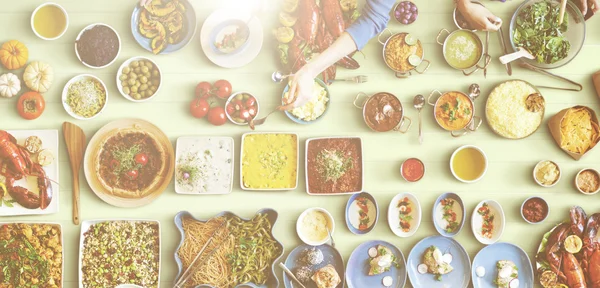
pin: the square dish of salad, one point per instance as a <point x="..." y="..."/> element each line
<point x="204" y="165"/>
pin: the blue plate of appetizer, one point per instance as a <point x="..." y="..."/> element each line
<point x="323" y="98"/>
<point x="362" y="213"/>
<point x="448" y="214"/>
<point x="439" y="262"/>
<point x="502" y="263"/>
<point x="376" y="264"/>
<point x="313" y="264"/>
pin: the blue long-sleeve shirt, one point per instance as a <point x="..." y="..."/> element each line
<point x="374" y="18"/>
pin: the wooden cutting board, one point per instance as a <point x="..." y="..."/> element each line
<point x="596" y="79"/>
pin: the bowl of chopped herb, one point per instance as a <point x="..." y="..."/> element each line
<point x="535" y="27"/>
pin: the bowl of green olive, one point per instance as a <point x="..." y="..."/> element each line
<point x="139" y="79"/>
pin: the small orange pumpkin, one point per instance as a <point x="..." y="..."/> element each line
<point x="13" y="54"/>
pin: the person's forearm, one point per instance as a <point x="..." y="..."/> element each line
<point x="343" y="46"/>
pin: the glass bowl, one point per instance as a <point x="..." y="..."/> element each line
<point x="575" y="32"/>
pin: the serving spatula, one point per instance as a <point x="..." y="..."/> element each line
<point x="75" y="140"/>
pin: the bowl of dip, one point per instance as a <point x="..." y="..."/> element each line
<point x="49" y="21"/>
<point x="468" y="164"/>
<point x="535" y="210"/>
<point x="312" y="226"/>
<point x="383" y="112"/>
<point x="412" y="170"/>
<point x="587" y="181"/>
<point x="546" y="173"/>
<point x="362" y="213"/>
<point x="463" y="50"/>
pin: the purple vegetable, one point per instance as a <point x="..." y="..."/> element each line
<point x="186" y="175"/>
<point x="407" y="16"/>
<point x="402" y="10"/>
<point x="404" y="21"/>
<point x="413" y="18"/>
<point x="413" y="9"/>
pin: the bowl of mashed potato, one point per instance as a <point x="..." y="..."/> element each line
<point x="313" y="110"/>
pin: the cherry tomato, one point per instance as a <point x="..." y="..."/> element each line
<point x="237" y="104"/>
<point x="250" y="101"/>
<point x="244" y="114"/>
<point x="216" y="116"/>
<point x="252" y="111"/>
<point x="222" y="89"/>
<point x="199" y="107"/>
<point x="31" y="105"/>
<point x="132" y="174"/>
<point x="203" y="90"/>
<point x="141" y="159"/>
<point x="230" y="109"/>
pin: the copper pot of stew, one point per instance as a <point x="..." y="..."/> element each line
<point x="383" y="112"/>
<point x="454" y="111"/>
<point x="403" y="54"/>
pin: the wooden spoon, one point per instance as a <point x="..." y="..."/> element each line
<point x="516" y="55"/>
<point x="75" y="140"/>
<point x="561" y="15"/>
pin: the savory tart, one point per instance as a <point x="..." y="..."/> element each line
<point x="130" y="164"/>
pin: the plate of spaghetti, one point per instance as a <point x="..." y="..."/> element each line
<point x="227" y="251"/>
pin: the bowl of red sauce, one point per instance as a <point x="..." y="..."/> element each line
<point x="535" y="210"/>
<point x="412" y="170"/>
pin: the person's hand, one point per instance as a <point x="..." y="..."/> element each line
<point x="479" y="17"/>
<point x="588" y="7"/>
<point x="301" y="84"/>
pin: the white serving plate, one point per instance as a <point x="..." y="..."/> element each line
<point x="362" y="160"/>
<point x="187" y="143"/>
<point x="499" y="222"/>
<point x="394" y="213"/>
<point x="50" y="142"/>
<point x="242" y="159"/>
<point x="85" y="226"/>
<point x="65" y="93"/>
<point x="62" y="243"/>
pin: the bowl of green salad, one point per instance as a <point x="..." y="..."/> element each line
<point x="535" y="27"/>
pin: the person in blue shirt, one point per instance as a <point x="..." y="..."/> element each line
<point x="373" y="20"/>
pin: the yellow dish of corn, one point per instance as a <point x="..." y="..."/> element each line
<point x="269" y="161"/>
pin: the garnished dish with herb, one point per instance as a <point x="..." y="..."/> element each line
<point x="130" y="163"/>
<point x="405" y="210"/>
<point x="487" y="227"/>
<point x="269" y="161"/>
<point x="86" y="97"/>
<point x="538" y="31"/>
<point x="231" y="38"/>
<point x="508" y="274"/>
<point x="436" y="263"/>
<point x="362" y="213"/>
<point x="448" y="216"/>
<point x="31" y="255"/>
<point x="381" y="259"/>
<point x="453" y="111"/>
<point x="204" y="165"/>
<point x="120" y="252"/>
<point x="334" y="165"/>
<point x="241" y="252"/>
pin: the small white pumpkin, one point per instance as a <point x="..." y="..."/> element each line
<point x="10" y="85"/>
<point x="38" y="76"/>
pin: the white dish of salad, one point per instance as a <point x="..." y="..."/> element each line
<point x="204" y="165"/>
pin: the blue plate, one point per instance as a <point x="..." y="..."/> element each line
<point x="490" y="255"/>
<point x="459" y="201"/>
<point x="458" y="278"/>
<point x="358" y="267"/>
<point x="271" y="215"/>
<point x="349" y="205"/>
<point x="331" y="256"/>
<point x="190" y="29"/>
<point x="300" y="121"/>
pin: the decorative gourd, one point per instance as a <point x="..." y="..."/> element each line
<point x="10" y="85"/>
<point x="13" y="54"/>
<point x="38" y="76"/>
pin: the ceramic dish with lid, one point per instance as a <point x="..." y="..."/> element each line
<point x="147" y="79"/>
<point x="403" y="53"/>
<point x="98" y="45"/>
<point x="383" y="112"/>
<point x="49" y="21"/>
<point x="84" y="97"/>
<point x="312" y="226"/>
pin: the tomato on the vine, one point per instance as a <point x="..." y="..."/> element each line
<point x="203" y="90"/>
<point x="216" y="116"/>
<point x="31" y="105"/>
<point x="222" y="89"/>
<point x="141" y="159"/>
<point x="199" y="107"/>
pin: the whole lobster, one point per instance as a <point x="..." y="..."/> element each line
<point x="16" y="165"/>
<point x="309" y="20"/>
<point x="573" y="272"/>
<point x="591" y="251"/>
<point x="553" y="248"/>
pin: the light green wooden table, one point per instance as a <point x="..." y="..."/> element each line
<point x="508" y="180"/>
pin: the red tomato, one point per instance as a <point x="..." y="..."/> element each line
<point x="244" y="114"/>
<point x="252" y="111"/>
<point x="203" y="90"/>
<point x="132" y="174"/>
<point x="31" y="105"/>
<point x="199" y="107"/>
<point x="250" y="101"/>
<point x="237" y="104"/>
<point x="114" y="164"/>
<point x="230" y="109"/>
<point x="222" y="89"/>
<point x="216" y="116"/>
<point x="141" y="159"/>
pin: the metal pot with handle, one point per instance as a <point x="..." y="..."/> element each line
<point x="478" y="48"/>
<point x="398" y="46"/>
<point x="448" y="107"/>
<point x="383" y="112"/>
